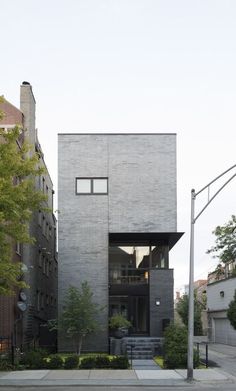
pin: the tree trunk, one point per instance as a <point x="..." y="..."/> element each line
<point x="79" y="344"/>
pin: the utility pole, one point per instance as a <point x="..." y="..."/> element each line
<point x="191" y="263"/>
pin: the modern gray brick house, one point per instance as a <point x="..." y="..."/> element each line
<point x="117" y="224"/>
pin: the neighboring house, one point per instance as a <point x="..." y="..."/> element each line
<point x="117" y="224"/>
<point x="219" y="295"/>
<point x="39" y="259"/>
<point x="222" y="272"/>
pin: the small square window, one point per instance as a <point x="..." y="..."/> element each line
<point x="91" y="186"/>
<point x="83" y="186"/>
<point x="100" y="186"/>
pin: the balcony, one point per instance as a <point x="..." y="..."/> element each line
<point x="128" y="277"/>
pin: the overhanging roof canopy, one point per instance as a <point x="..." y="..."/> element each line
<point x="144" y="238"/>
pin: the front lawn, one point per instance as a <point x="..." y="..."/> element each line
<point x="159" y="360"/>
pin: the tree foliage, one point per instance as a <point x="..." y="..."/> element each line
<point x="231" y="312"/>
<point x="225" y="243"/>
<point x="182" y="309"/>
<point x="1" y="112"/>
<point x="78" y="318"/>
<point x="18" y="199"/>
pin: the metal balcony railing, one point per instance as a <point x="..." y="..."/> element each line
<point x="129" y="276"/>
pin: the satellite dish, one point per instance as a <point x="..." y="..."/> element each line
<point x="23" y="296"/>
<point x="21" y="305"/>
<point x="24" y="268"/>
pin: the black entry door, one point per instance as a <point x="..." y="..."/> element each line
<point x="138" y="314"/>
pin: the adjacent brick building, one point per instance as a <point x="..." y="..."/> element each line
<point x="39" y="259"/>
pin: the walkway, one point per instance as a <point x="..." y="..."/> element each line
<point x="102" y="377"/>
<point x="144" y="364"/>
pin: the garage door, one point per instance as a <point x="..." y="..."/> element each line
<point x="224" y="332"/>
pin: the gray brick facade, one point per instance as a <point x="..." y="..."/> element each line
<point x="161" y="300"/>
<point x="141" y="172"/>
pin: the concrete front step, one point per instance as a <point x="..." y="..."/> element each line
<point x="140" y="356"/>
<point x="142" y="347"/>
<point x="139" y="348"/>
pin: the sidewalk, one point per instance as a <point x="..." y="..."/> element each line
<point x="99" y="377"/>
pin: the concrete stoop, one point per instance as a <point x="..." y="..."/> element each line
<point x="142" y="348"/>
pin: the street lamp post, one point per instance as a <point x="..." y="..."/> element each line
<point x="191" y="263"/>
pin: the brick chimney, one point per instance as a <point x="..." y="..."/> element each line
<point x="27" y="106"/>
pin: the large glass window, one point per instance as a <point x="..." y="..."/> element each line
<point x="131" y="264"/>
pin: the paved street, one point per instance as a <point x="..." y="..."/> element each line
<point x="194" y="387"/>
<point x="223" y="355"/>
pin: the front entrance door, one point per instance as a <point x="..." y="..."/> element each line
<point x="138" y="311"/>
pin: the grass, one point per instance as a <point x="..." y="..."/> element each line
<point x="83" y="355"/>
<point x="159" y="360"/>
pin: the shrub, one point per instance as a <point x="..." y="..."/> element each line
<point x="88" y="363"/>
<point x="120" y="362"/>
<point x="34" y="359"/>
<point x="231" y="312"/>
<point x="5" y="365"/>
<point x="119" y="321"/>
<point x="176" y="347"/>
<point x="71" y="361"/>
<point x="55" y="362"/>
<point x="102" y="362"/>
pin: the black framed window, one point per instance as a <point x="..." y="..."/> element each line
<point x="91" y="186"/>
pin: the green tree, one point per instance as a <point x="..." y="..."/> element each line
<point x="225" y="242"/>
<point x="182" y="309"/>
<point x="18" y="199"/>
<point x="78" y="318"/>
<point x="231" y="312"/>
<point x="1" y="112"/>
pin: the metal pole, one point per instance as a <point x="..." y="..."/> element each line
<point x="12" y="349"/>
<point x="207" y="355"/>
<point x="131" y="356"/>
<point x="191" y="293"/>
<point x="191" y="268"/>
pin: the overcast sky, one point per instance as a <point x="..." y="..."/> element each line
<point x="134" y="66"/>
